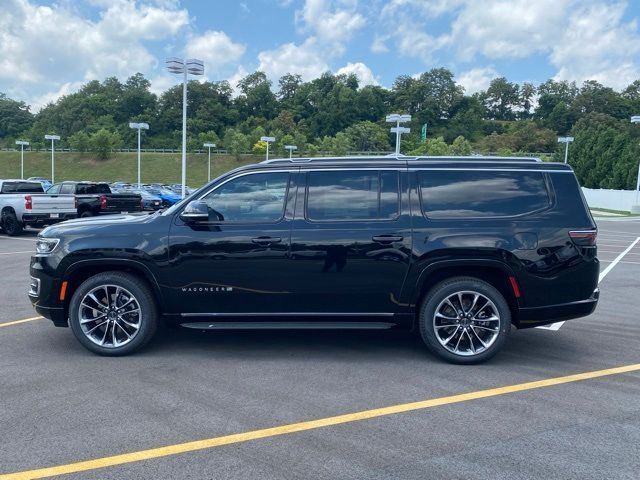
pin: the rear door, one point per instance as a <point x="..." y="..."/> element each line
<point x="351" y="242"/>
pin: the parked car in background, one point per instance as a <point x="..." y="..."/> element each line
<point x="150" y="202"/>
<point x="168" y="197"/>
<point x="23" y="203"/>
<point x="95" y="199"/>
<point x="46" y="183"/>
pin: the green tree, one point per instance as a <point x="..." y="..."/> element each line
<point x="368" y="136"/>
<point x="236" y="142"/>
<point x="461" y="146"/>
<point x="80" y="142"/>
<point x="15" y="117"/>
<point x="103" y="142"/>
<point x="259" y="148"/>
<point x="501" y="99"/>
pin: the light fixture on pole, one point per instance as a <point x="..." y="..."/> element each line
<point x="22" y="143"/>
<point x="189" y="66"/>
<point x="398" y="130"/>
<point x="209" y="146"/>
<point x="291" y="148"/>
<point x="139" y="126"/>
<point x="566" y="141"/>
<point x="53" y="138"/>
<point x="636" y="208"/>
<point x="268" y="140"/>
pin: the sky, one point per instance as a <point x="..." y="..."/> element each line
<point x="51" y="48"/>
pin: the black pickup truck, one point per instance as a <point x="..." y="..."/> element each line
<point x="95" y="199"/>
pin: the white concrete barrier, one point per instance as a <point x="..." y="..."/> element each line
<point x="621" y="200"/>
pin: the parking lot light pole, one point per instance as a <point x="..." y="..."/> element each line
<point x="636" y="208"/>
<point x="268" y="140"/>
<point x="194" y="67"/>
<point x="209" y="146"/>
<point x="566" y="141"/>
<point x="139" y="126"/>
<point x="53" y="138"/>
<point x="22" y="143"/>
<point x="291" y="148"/>
<point x="398" y="130"/>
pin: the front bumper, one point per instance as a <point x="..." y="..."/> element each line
<point x="45" y="298"/>
<point x="534" y="317"/>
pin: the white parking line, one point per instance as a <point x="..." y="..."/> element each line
<point x="556" y="326"/>
<point x="23" y="239"/>
<point x="12" y="253"/>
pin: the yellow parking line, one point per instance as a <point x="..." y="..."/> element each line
<point x="307" y="425"/>
<point x="16" y="322"/>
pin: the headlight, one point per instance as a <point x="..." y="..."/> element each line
<point x="46" y="245"/>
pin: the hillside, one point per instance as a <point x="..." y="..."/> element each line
<point x="156" y="167"/>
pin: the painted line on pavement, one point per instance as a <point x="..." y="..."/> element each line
<point x="16" y="322"/>
<point x="12" y="253"/>
<point x="214" y="442"/>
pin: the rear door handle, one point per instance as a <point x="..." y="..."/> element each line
<point x="266" y="240"/>
<point x="386" y="239"/>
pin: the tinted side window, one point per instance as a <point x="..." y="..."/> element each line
<point x="352" y="195"/>
<point x="447" y="194"/>
<point x="67" y="188"/>
<point x="92" y="188"/>
<point x="258" y="197"/>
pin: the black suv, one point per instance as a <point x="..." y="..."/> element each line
<point x="459" y="249"/>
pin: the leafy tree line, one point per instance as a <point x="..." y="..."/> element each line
<point x="334" y="114"/>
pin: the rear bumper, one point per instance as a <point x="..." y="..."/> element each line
<point x="534" y="317"/>
<point x="46" y="219"/>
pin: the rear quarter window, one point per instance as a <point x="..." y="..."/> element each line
<point x="481" y="194"/>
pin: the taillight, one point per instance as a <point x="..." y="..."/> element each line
<point x="584" y="238"/>
<point x="103" y="202"/>
<point x="28" y="202"/>
<point x="75" y="202"/>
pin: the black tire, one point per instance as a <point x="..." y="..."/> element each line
<point x="86" y="214"/>
<point x="148" y="312"/>
<point x="444" y="290"/>
<point x="11" y="224"/>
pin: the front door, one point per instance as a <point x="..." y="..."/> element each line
<point x="236" y="263"/>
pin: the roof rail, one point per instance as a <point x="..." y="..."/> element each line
<point x="470" y="158"/>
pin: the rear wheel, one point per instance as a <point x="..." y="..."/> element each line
<point x="86" y="214"/>
<point x="113" y="313"/>
<point x="11" y="224"/>
<point x="464" y="320"/>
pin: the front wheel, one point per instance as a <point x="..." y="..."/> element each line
<point x="464" y="320"/>
<point x="113" y="314"/>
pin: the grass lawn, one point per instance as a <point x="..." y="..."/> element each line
<point x="155" y="167"/>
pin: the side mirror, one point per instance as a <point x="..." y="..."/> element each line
<point x="196" y="211"/>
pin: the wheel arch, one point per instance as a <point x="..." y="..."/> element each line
<point x="494" y="272"/>
<point x="80" y="271"/>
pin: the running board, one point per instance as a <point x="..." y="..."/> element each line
<point x="289" y="325"/>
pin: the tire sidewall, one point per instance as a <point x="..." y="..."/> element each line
<point x="142" y="294"/>
<point x="442" y="291"/>
<point x="15" y="228"/>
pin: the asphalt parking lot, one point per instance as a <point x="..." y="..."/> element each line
<point x="60" y="404"/>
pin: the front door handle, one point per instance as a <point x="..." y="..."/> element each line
<point x="386" y="239"/>
<point x="266" y="240"/>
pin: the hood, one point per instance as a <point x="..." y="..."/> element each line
<point x="79" y="225"/>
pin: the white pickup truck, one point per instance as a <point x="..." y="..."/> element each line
<point x="24" y="203"/>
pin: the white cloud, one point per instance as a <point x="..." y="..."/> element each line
<point x="305" y="59"/>
<point x="364" y="73"/>
<point x="43" y="49"/>
<point x="582" y="39"/>
<point x="330" y="21"/>
<point x="476" y="79"/>
<point x="215" y="48"/>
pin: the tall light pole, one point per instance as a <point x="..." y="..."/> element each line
<point x="22" y="143"/>
<point x="398" y="130"/>
<point x="139" y="126"/>
<point x="268" y="140"/>
<point x="209" y="146"/>
<point x="566" y="141"/>
<point x="194" y="67"/>
<point x="291" y="148"/>
<point x="53" y="138"/>
<point x="636" y="208"/>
